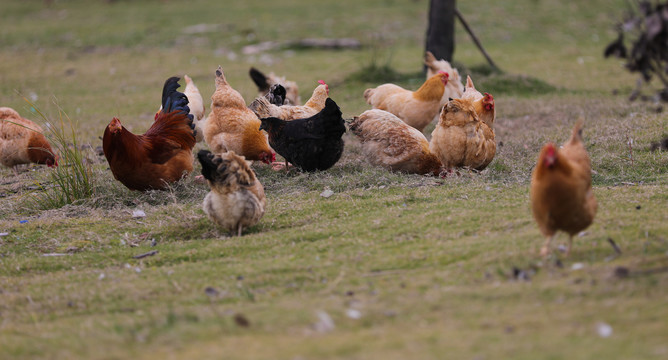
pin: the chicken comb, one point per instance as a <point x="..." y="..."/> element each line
<point x="322" y="82"/>
<point x="444" y="72"/>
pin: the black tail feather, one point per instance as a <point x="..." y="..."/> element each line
<point x="259" y="79"/>
<point x="205" y="158"/>
<point x="173" y="100"/>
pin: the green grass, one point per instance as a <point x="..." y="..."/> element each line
<point x="427" y="262"/>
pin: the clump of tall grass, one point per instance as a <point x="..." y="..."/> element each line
<point x="71" y="181"/>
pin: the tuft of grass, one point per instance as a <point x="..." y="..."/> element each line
<point x="72" y="180"/>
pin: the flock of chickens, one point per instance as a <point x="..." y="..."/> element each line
<point x="309" y="137"/>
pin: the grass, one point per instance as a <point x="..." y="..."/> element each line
<point x="427" y="263"/>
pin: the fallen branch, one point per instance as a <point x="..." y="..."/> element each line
<point x="141" y="256"/>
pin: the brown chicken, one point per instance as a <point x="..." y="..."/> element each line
<point x="236" y="200"/>
<point x="264" y="83"/>
<point x="458" y="139"/>
<point x="231" y="126"/>
<point x="22" y="141"/>
<point x="415" y="108"/>
<point x="264" y="109"/>
<point x="390" y="143"/>
<point x="561" y="193"/>
<point x="159" y="157"/>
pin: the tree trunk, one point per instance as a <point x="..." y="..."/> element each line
<point x="441" y="29"/>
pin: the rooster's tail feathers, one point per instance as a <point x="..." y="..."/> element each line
<point x="173" y="100"/>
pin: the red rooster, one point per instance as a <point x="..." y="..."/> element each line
<point x="163" y="154"/>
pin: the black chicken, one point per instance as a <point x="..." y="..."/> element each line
<point x="311" y="144"/>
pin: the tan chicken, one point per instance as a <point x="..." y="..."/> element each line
<point x="561" y="193"/>
<point x="196" y="105"/>
<point x="264" y="109"/>
<point x="458" y="139"/>
<point x="391" y="143"/>
<point x="265" y="82"/>
<point x="454" y="89"/>
<point x="22" y="141"/>
<point x="415" y="108"/>
<point x="484" y="104"/>
<point x="236" y="200"/>
<point x="486" y="110"/>
<point x="231" y="126"/>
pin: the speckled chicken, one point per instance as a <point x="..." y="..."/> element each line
<point x="236" y="200"/>
<point x="265" y="82"/>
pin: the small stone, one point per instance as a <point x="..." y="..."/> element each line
<point x="327" y="193"/>
<point x="138" y="214"/>
<point x="577" y="266"/>
<point x="604" y="330"/>
<point x="353" y="314"/>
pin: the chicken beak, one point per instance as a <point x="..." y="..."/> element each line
<point x="115" y="125"/>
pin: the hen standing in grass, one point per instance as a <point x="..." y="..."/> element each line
<point x="231" y="126"/>
<point x="561" y="193"/>
<point x="313" y="143"/>
<point x="163" y="154"/>
<point x="415" y="108"/>
<point x="22" y="141"/>
<point x="236" y="199"/>
<point x="391" y="143"/>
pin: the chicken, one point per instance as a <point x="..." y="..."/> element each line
<point x="313" y="143"/>
<point x="196" y="105"/>
<point x="163" y="154"/>
<point x="454" y="89"/>
<point x="484" y="104"/>
<point x="389" y="142"/>
<point x="231" y="126"/>
<point x="458" y="139"/>
<point x="22" y="141"/>
<point x="236" y="200"/>
<point x="486" y="110"/>
<point x="415" y="108"/>
<point x="561" y="193"/>
<point x="264" y="109"/>
<point x="265" y="82"/>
